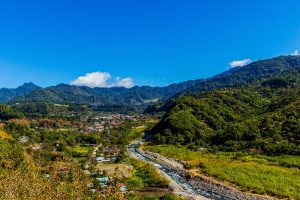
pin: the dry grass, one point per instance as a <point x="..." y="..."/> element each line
<point x="118" y="170"/>
<point x="21" y="122"/>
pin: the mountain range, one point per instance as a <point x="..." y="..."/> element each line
<point x="250" y="73"/>
<point x="99" y="98"/>
<point x="155" y="98"/>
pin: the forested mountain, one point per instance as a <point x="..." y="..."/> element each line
<point x="103" y="98"/>
<point x="244" y="75"/>
<point x="237" y="77"/>
<point x="159" y="98"/>
<point x="261" y="117"/>
<point x="8" y="94"/>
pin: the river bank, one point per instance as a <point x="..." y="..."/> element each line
<point x="190" y="182"/>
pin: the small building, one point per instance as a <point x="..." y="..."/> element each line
<point x="100" y="159"/>
<point x="103" y="180"/>
<point x="24" y="139"/>
<point x="103" y="160"/>
<point x="99" y="127"/>
<point x="122" y="187"/>
<point x="112" y="150"/>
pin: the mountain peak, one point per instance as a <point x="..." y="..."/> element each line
<point x="8" y="94"/>
<point x="28" y="86"/>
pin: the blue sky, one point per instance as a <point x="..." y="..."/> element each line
<point x="151" y="42"/>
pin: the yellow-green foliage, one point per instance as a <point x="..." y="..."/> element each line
<point x="22" y="178"/>
<point x="4" y="135"/>
<point x="277" y="176"/>
<point x="79" y="151"/>
<point x="145" y="175"/>
<point x="138" y="131"/>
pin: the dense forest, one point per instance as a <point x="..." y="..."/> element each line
<point x="263" y="117"/>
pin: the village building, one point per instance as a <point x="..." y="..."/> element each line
<point x="112" y="151"/>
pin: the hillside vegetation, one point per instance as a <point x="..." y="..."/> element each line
<point x="7" y="113"/>
<point x="21" y="177"/>
<point x="260" y="118"/>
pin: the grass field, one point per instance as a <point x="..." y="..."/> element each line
<point x="277" y="176"/>
<point x="79" y="151"/>
<point x="138" y="131"/>
<point x="144" y="175"/>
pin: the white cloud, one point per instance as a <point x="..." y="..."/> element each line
<point x="295" y="53"/>
<point x="240" y="63"/>
<point x="102" y="79"/>
<point x="94" y="79"/>
<point x="125" y="82"/>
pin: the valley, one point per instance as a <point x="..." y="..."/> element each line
<point x="149" y="100"/>
<point x="233" y="136"/>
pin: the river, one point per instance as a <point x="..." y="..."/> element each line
<point x="181" y="181"/>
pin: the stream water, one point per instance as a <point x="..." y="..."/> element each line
<point x="181" y="181"/>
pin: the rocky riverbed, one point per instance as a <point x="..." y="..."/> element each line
<point x="197" y="185"/>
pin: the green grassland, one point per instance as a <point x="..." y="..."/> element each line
<point x="138" y="131"/>
<point x="273" y="175"/>
<point x="144" y="175"/>
<point x="79" y="151"/>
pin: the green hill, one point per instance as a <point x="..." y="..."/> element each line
<point x="262" y="117"/>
